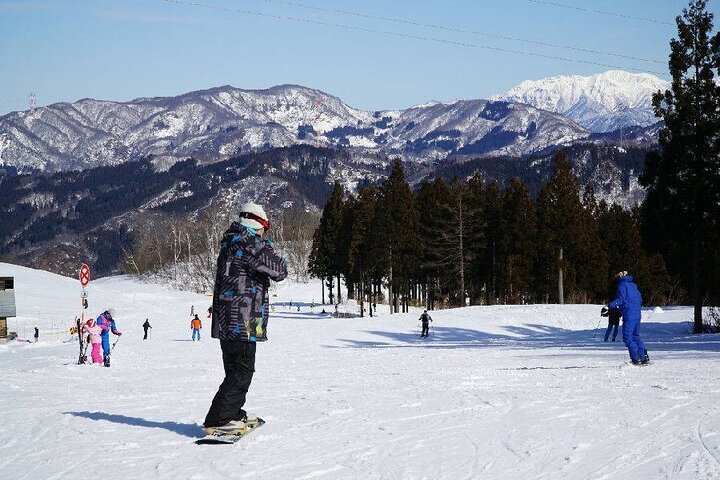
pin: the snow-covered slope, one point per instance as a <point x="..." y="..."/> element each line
<point x="503" y="392"/>
<point x="601" y="102"/>
<point x="225" y="121"/>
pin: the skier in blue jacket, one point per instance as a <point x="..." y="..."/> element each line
<point x="106" y="322"/>
<point x="629" y="301"/>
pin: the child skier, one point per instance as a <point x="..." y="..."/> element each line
<point x="106" y="322"/>
<point x="196" y="326"/>
<point x="93" y="331"/>
<point x="613" y="315"/>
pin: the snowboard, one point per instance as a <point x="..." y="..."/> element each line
<point x="222" y="438"/>
<point x="630" y="364"/>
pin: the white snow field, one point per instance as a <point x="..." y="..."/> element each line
<point x="502" y="392"/>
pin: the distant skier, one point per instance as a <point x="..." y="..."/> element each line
<point x="425" y="319"/>
<point x="613" y="315"/>
<point x="107" y="323"/>
<point x="245" y="266"/>
<point x="629" y="301"/>
<point x="196" y="326"/>
<point x="93" y="332"/>
<point x="146" y="326"/>
<point x="37" y="334"/>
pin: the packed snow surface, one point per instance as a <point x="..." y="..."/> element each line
<point x="501" y="392"/>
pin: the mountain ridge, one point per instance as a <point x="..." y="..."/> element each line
<point x="602" y="102"/>
<point x="219" y="122"/>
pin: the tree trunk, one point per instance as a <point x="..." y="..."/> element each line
<point x="697" y="288"/>
<point x="390" y="285"/>
<point x="561" y="296"/>
<point x="339" y="295"/>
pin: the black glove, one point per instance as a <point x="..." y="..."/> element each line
<point x="604" y="312"/>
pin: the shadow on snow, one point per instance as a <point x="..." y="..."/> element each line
<point x="668" y="337"/>
<point x="185" y="429"/>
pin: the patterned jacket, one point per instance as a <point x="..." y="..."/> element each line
<point x="245" y="266"/>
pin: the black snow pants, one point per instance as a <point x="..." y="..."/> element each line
<point x="424" y="329"/>
<point x="239" y="364"/>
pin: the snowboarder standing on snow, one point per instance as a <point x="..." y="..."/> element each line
<point x="629" y="301"/>
<point x="146" y="325"/>
<point x="106" y="322"/>
<point x="37" y="334"/>
<point x="245" y="266"/>
<point x="93" y="331"/>
<point x="613" y="315"/>
<point x="196" y="326"/>
<point x="425" y="319"/>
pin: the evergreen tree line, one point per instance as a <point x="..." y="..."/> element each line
<point x="472" y="242"/>
<point x="467" y="241"/>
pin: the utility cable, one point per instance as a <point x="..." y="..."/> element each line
<point x="404" y="35"/>
<point x="603" y="12"/>
<point x="460" y="30"/>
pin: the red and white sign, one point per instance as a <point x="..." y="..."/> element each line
<point x="84" y="275"/>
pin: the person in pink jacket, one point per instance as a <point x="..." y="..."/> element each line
<point x="92" y="329"/>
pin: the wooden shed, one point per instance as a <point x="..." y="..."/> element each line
<point x="7" y="303"/>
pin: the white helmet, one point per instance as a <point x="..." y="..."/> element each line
<point x="252" y="215"/>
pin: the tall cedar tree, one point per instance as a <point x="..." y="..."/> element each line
<point x="681" y="212"/>
<point x="429" y="205"/>
<point x="397" y="223"/>
<point x="361" y="267"/>
<point x="326" y="256"/>
<point x="561" y="218"/>
<point x="451" y="234"/>
<point x="487" y="268"/>
<point x="518" y="228"/>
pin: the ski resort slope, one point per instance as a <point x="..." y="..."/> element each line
<point x="501" y="392"/>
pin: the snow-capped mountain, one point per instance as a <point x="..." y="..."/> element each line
<point x="601" y="103"/>
<point x="225" y="121"/>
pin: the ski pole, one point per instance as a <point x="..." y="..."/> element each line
<point x="113" y="345"/>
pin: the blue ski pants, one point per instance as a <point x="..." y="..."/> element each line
<point x="631" y="337"/>
<point x="196" y="331"/>
<point x="607" y="332"/>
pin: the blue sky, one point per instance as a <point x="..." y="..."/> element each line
<point x="124" y="49"/>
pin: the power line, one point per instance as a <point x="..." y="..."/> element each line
<point x="603" y="12"/>
<point x="405" y="35"/>
<point x="460" y="30"/>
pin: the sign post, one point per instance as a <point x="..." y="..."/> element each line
<point x="84" y="280"/>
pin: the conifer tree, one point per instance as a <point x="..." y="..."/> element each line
<point x="326" y="255"/>
<point x="396" y="224"/>
<point x="681" y="211"/>
<point x="560" y="217"/>
<point x="518" y="228"/>
<point x="487" y="268"/>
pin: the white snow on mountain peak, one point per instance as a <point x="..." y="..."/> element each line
<point x="601" y="102"/>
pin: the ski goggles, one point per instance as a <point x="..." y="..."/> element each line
<point x="265" y="223"/>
